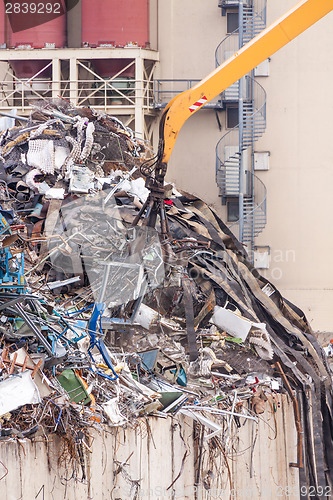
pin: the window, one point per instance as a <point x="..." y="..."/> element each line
<point x="232" y="210"/>
<point x="232" y="22"/>
<point x="232" y="116"/>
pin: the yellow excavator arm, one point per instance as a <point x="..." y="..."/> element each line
<point x="286" y="28"/>
<point x="178" y="110"/>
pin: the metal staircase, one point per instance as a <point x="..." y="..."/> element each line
<point x="234" y="142"/>
<point x="254" y="20"/>
<point x="254" y="114"/>
<point x="254" y="210"/>
<point x="234" y="151"/>
<point x="252" y="23"/>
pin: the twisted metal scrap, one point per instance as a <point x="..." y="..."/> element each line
<point x="10" y="145"/>
<point x="74" y="155"/>
<point x="262" y="344"/>
<point x="40" y="129"/>
<point x="89" y="141"/>
<point x="79" y="126"/>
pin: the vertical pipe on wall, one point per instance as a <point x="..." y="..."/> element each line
<point x="139" y="92"/>
<point x="240" y="125"/>
<point x="74" y="24"/>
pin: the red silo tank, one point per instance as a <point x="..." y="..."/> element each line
<point x="29" y="68"/>
<point x="110" y="67"/>
<point x="26" y="70"/>
<point x="2" y="23"/>
<point x="115" y="22"/>
<point x="124" y="81"/>
<point x="37" y="25"/>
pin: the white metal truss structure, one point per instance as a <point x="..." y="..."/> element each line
<point x="74" y="78"/>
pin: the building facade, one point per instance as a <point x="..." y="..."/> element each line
<point x="285" y="106"/>
<point x="259" y="154"/>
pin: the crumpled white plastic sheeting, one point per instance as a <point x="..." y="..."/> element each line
<point x="60" y="155"/>
<point x="18" y="390"/>
<point x="6" y="122"/>
<point x="137" y="188"/>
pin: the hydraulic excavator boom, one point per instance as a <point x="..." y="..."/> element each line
<point x="303" y="15"/>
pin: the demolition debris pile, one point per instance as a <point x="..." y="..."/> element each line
<point x="102" y="322"/>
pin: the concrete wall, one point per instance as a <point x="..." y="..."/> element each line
<point x="159" y="456"/>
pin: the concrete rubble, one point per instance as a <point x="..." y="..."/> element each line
<point x="103" y="323"/>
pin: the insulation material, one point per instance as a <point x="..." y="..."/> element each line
<point x="80" y="123"/>
<point x="41" y="155"/>
<point x="75" y="153"/>
<point x="39" y="130"/>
